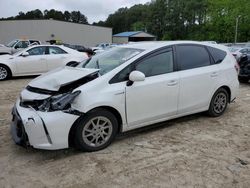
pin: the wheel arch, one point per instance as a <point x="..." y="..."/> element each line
<point x="108" y="108"/>
<point x="227" y="88"/>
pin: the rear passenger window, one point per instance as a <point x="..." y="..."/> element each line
<point x="217" y="54"/>
<point x="158" y="64"/>
<point x="56" y="50"/>
<point x="191" y="56"/>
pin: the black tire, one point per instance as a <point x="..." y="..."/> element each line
<point x="84" y="125"/>
<point x="218" y="103"/>
<point x="5" y="72"/>
<point x="72" y="64"/>
<point x="243" y="80"/>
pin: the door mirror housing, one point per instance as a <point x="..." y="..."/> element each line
<point x="25" y="54"/>
<point x="136" y="76"/>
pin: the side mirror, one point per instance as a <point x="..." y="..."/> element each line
<point x="136" y="76"/>
<point x="25" y="54"/>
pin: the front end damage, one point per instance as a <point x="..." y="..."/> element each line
<point x="43" y="118"/>
<point x="43" y="130"/>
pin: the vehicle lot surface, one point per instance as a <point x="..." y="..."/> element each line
<point x="194" y="151"/>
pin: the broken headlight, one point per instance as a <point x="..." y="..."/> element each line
<point x="59" y="102"/>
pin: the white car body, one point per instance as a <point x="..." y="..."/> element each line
<point x="158" y="98"/>
<point x="22" y="63"/>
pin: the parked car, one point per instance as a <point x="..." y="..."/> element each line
<point x="244" y="74"/>
<point x="38" y="59"/>
<point x="17" y="45"/>
<point x="81" y="48"/>
<point x="101" y="47"/>
<point x="121" y="89"/>
<point x="237" y="52"/>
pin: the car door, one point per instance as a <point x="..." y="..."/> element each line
<point x="34" y="63"/>
<point x="56" y="57"/>
<point x="156" y="97"/>
<point x="198" y="77"/>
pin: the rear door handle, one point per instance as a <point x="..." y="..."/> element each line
<point x="172" y="83"/>
<point x="42" y="59"/>
<point x="214" y="74"/>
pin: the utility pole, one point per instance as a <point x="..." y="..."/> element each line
<point x="236" y="29"/>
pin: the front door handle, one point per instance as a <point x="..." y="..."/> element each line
<point x="42" y="59"/>
<point x="172" y="83"/>
<point x="214" y="74"/>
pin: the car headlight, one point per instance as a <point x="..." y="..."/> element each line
<point x="59" y="102"/>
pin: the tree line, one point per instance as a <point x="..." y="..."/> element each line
<point x="74" y="16"/>
<point x="170" y="19"/>
<point x="185" y="19"/>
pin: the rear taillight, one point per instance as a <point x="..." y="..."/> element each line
<point x="237" y="67"/>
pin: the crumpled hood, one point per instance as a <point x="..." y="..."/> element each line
<point x="61" y="76"/>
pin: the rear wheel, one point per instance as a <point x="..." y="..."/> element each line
<point x="96" y="130"/>
<point x="72" y="64"/>
<point x="4" y="72"/>
<point x="218" y="103"/>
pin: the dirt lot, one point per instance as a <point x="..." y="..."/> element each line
<point x="194" y="151"/>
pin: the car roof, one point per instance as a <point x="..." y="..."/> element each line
<point x="158" y="44"/>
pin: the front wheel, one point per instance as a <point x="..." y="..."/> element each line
<point x="4" y="72"/>
<point x="218" y="103"/>
<point x="96" y="130"/>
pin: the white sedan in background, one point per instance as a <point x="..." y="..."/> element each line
<point x="38" y="59"/>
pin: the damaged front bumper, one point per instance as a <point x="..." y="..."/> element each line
<point x="42" y="130"/>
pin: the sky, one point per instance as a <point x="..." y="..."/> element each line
<point x="95" y="10"/>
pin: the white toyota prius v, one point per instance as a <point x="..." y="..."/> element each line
<point x="121" y="89"/>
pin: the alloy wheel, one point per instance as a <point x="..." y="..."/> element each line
<point x="220" y="102"/>
<point x="3" y="73"/>
<point x="97" y="131"/>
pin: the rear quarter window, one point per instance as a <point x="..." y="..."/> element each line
<point x="192" y="56"/>
<point x="217" y="54"/>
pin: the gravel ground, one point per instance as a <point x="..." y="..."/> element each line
<point x="193" y="151"/>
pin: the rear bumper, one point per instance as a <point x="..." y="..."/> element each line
<point x="42" y="130"/>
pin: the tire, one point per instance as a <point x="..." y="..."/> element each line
<point x="243" y="80"/>
<point x="218" y="103"/>
<point x="89" y="132"/>
<point x="5" y="72"/>
<point x="72" y="64"/>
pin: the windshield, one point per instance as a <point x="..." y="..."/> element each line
<point x="12" y="43"/>
<point x="110" y="59"/>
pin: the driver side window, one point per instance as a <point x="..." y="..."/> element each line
<point x="37" y="51"/>
<point x="56" y="50"/>
<point x="158" y="64"/>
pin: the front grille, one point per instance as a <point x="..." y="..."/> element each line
<point x="17" y="129"/>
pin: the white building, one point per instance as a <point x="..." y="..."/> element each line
<point x="44" y="30"/>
